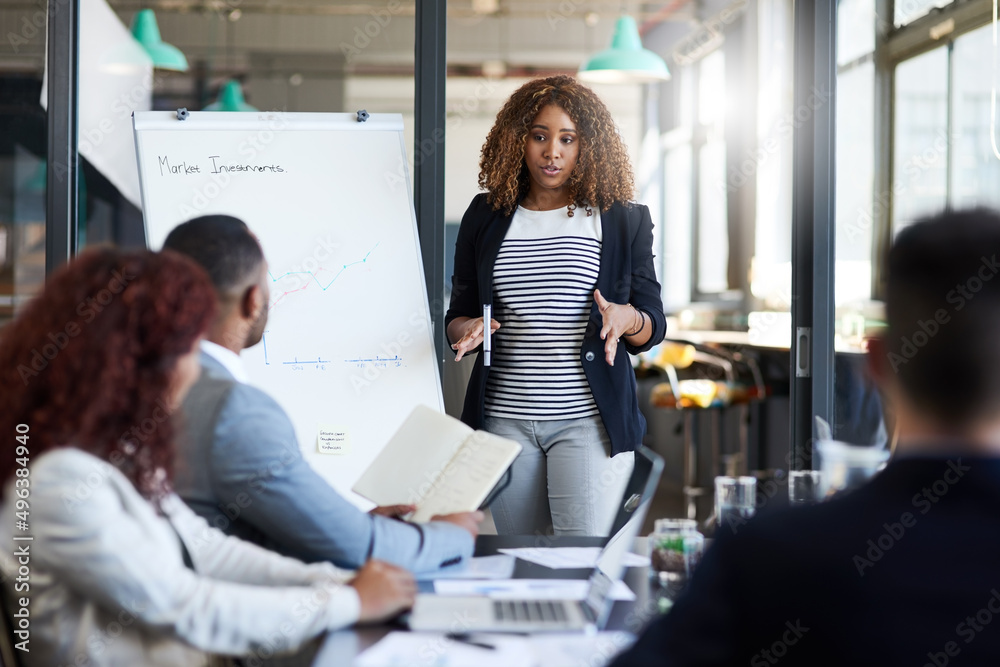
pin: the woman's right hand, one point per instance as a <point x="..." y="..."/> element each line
<point x="471" y="334"/>
<point x="384" y="590"/>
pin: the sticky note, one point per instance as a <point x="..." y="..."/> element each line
<point x="333" y="440"/>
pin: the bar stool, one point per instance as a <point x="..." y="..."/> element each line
<point x="697" y="394"/>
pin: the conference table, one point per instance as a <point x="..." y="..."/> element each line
<point x="339" y="649"/>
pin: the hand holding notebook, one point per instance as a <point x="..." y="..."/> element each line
<point x="438" y="464"/>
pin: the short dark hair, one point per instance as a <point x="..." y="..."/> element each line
<point x="223" y="246"/>
<point x="943" y="311"/>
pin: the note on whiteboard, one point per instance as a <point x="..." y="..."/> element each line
<point x="333" y="440"/>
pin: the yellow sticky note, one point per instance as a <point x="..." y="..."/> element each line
<point x="333" y="440"/>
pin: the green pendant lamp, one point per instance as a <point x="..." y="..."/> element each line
<point x="626" y="61"/>
<point x="147" y="32"/>
<point x="230" y="99"/>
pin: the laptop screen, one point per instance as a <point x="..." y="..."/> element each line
<point x="611" y="561"/>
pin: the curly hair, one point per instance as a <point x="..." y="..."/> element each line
<point x="603" y="173"/>
<point x="89" y="362"/>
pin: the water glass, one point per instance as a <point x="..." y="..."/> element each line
<point x="734" y="501"/>
<point x="675" y="548"/>
<point x="803" y="487"/>
<point x="845" y="467"/>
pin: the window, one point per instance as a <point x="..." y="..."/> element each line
<point x="855" y="178"/>
<point x="944" y="153"/>
<point x="920" y="156"/>
<point x="771" y="268"/>
<point x="713" y="233"/>
<point x="975" y="173"/>
<point x="695" y="237"/>
<point x="910" y="10"/>
<point x="676" y="270"/>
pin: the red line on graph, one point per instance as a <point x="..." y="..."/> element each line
<point x="278" y="300"/>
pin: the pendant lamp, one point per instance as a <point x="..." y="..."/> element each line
<point x="147" y="32"/>
<point x="231" y="98"/>
<point x="626" y="61"/>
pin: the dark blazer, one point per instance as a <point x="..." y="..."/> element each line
<point x="626" y="276"/>
<point x="902" y="571"/>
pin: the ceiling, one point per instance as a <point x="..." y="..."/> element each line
<point x="515" y="38"/>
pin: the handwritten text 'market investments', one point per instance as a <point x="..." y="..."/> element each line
<point x="170" y="167"/>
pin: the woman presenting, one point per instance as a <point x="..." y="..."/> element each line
<point x="563" y="257"/>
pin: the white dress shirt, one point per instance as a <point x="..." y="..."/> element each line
<point x="229" y="359"/>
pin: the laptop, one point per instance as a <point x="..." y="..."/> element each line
<point x="461" y="614"/>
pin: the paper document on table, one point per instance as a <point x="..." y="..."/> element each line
<point x="432" y="649"/>
<point x="563" y="649"/>
<point x="428" y="649"/>
<point x="500" y="566"/>
<point x="561" y="558"/>
<point x="529" y="589"/>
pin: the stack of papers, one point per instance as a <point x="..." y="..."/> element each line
<point x="500" y="566"/>
<point x="428" y="649"/>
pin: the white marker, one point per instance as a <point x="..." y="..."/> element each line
<point x="487" y="347"/>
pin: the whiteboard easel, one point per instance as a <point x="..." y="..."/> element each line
<point x="347" y="351"/>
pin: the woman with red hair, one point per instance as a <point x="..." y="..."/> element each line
<point x="108" y="565"/>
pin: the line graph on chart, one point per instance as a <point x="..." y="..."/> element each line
<point x="300" y="279"/>
<point x="318" y="363"/>
<point x="300" y="329"/>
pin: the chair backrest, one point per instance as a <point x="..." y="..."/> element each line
<point x="635" y="486"/>
<point x="8" y="654"/>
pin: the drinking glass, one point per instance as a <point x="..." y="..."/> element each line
<point x="675" y="548"/>
<point x="734" y="501"/>
<point x="803" y="487"/>
<point x="845" y="467"/>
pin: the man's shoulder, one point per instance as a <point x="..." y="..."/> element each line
<point x="224" y="402"/>
<point x="252" y="416"/>
<point x="214" y="386"/>
<point x="242" y="394"/>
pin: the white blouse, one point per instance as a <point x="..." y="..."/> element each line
<point x="543" y="291"/>
<point x="108" y="581"/>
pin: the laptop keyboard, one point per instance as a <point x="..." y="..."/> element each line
<point x="529" y="611"/>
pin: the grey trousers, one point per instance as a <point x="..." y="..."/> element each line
<point x="563" y="481"/>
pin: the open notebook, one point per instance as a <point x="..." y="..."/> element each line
<point x="438" y="464"/>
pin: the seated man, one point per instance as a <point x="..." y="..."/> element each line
<point x="240" y="466"/>
<point x="904" y="570"/>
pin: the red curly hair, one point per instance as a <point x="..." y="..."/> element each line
<point x="89" y="362"/>
<point x="603" y="173"/>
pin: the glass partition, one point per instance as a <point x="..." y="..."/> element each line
<point x="22" y="157"/>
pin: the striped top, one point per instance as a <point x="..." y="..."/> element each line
<point x="543" y="289"/>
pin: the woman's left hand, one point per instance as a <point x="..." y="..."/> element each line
<point x="618" y="319"/>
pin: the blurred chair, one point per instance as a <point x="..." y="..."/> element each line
<point x="8" y="655"/>
<point x="731" y="388"/>
<point x="636" y="485"/>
